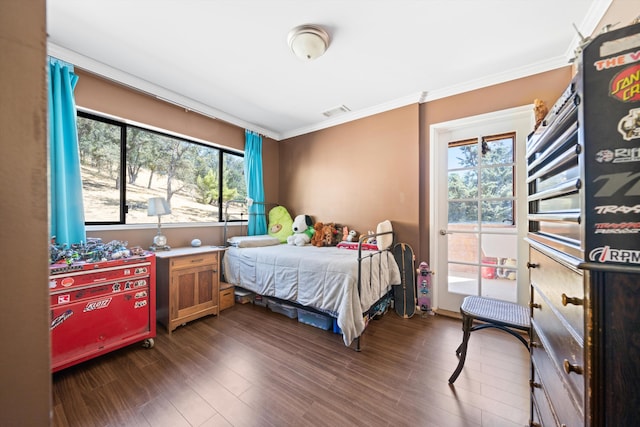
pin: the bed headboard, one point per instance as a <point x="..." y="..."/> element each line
<point x="238" y="209"/>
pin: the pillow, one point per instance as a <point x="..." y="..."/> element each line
<point x="280" y="224"/>
<point x="253" y="241"/>
<point x="385" y="241"/>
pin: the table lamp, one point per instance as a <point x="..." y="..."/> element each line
<point x="159" y="206"/>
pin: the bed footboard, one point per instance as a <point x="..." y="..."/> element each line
<point x="372" y="256"/>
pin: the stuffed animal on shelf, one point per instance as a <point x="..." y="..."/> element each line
<point x="540" y="111"/>
<point x="353" y="236"/>
<point x="302" y="231"/>
<point x="316" y="240"/>
<point x="345" y="233"/>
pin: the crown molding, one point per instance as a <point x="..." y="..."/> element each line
<point x="517" y="73"/>
<point x="355" y="115"/>
<point x="151" y="89"/>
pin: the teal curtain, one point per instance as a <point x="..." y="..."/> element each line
<point x="255" y="187"/>
<point x="65" y="182"/>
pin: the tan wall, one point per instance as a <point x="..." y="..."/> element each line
<point x="25" y="376"/>
<point x="103" y="96"/>
<point x="376" y="168"/>
<point x="545" y="86"/>
<point x="357" y="174"/>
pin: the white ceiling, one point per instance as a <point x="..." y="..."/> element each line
<point x="230" y="59"/>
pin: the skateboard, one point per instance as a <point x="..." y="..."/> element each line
<point x="404" y="298"/>
<point x="423" y="287"/>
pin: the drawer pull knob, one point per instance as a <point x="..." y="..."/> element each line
<point x="571" y="300"/>
<point x="197" y="260"/>
<point x="568" y="367"/>
<point x="533" y="384"/>
<point x="534" y="305"/>
<point x="532" y="265"/>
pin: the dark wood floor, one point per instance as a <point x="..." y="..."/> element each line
<point x="252" y="367"/>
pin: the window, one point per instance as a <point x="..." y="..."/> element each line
<point x="124" y="165"/>
<point x="481" y="180"/>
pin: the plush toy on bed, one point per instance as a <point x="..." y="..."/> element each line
<point x="280" y="223"/>
<point x="302" y="231"/>
<point x="316" y="240"/>
<point x="329" y="235"/>
<point x="345" y="233"/>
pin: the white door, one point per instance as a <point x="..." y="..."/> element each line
<point x="478" y="207"/>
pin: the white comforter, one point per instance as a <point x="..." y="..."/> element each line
<point x="325" y="278"/>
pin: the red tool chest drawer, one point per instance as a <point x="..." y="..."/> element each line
<point x="100" y="307"/>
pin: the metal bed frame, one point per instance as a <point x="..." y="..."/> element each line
<point x="371" y="311"/>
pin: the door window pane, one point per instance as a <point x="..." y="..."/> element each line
<point x="498" y="151"/>
<point x="463" y="212"/>
<point x="497" y="182"/>
<point x="463" y="154"/>
<point x="463" y="247"/>
<point x="463" y="184"/>
<point x="463" y="279"/>
<point x="497" y="212"/>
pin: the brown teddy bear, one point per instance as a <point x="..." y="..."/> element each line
<point x="318" y="237"/>
<point x="329" y="234"/>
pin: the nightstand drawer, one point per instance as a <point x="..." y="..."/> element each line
<point x="227" y="297"/>
<point x="195" y="260"/>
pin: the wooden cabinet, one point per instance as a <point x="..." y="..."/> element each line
<point x="227" y="297"/>
<point x="584" y="258"/>
<point x="557" y="338"/>
<point x="188" y="285"/>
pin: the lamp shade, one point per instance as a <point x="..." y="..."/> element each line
<point x="158" y="206"/>
<point x="308" y="42"/>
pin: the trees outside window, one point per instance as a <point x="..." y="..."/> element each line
<point x="124" y="165"/>
<point x="481" y="184"/>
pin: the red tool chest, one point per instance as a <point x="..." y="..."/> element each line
<point x="100" y="307"/>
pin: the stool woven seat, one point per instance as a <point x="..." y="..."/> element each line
<point x="510" y="314"/>
<point x="492" y="313"/>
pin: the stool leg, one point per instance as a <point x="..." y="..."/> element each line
<point x="461" y="352"/>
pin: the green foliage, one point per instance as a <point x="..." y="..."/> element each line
<point x="482" y="182"/>
<point x="171" y="164"/>
<point x="207" y="188"/>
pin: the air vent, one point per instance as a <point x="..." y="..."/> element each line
<point x="336" y="110"/>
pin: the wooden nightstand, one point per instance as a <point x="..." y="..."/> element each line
<point x="227" y="297"/>
<point x="188" y="284"/>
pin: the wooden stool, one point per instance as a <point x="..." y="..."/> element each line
<point x="494" y="314"/>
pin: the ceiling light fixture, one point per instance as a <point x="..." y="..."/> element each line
<point x="308" y="42"/>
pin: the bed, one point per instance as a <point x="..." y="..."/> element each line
<point x="347" y="282"/>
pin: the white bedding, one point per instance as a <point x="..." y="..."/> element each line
<point x="322" y="277"/>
